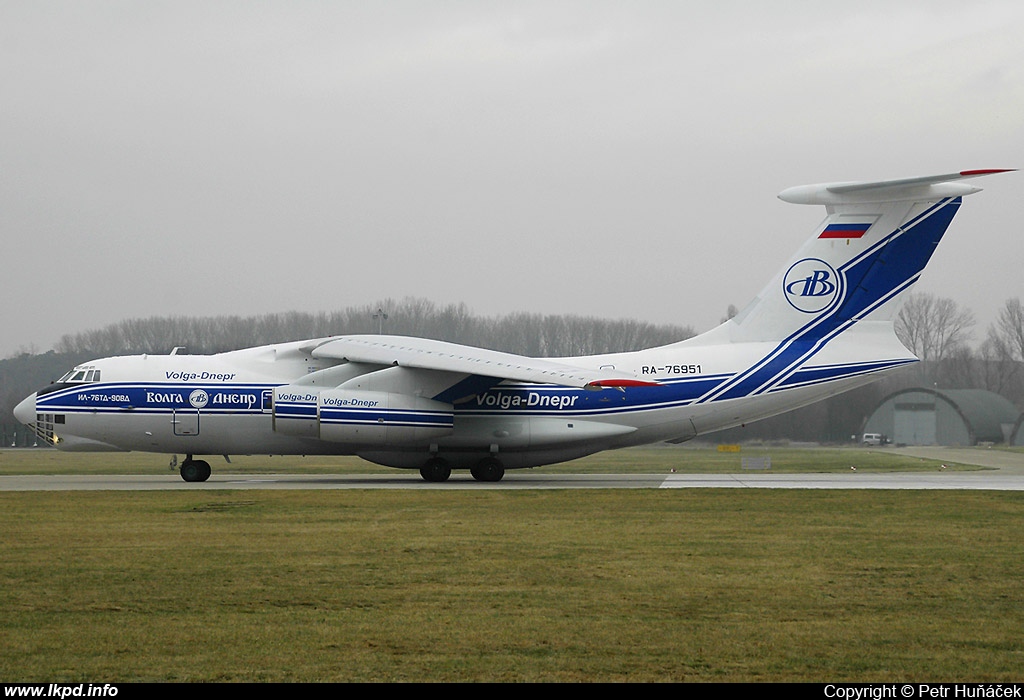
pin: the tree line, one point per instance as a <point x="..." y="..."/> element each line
<point x="532" y="334"/>
<point x="940" y="332"/>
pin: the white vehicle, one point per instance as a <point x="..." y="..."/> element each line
<point x="873" y="439"/>
<point x="822" y="325"/>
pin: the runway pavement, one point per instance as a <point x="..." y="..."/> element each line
<point x="992" y="481"/>
<point x="1004" y="472"/>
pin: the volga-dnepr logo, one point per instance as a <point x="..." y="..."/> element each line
<point x="811" y="285"/>
<point x="198" y="398"/>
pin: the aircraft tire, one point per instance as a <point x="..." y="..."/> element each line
<point x="489" y="469"/>
<point x="193" y="470"/>
<point x="436" y="469"/>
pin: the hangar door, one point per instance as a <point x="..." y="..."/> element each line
<point x="914" y="424"/>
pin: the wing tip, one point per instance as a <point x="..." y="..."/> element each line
<point x="986" y="171"/>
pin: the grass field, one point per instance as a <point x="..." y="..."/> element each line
<point x="595" y="585"/>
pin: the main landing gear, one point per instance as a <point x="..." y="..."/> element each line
<point x="436" y="469"/>
<point x="487" y="469"/>
<point x="194" y="469"/>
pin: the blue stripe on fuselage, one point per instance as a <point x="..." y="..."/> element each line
<point x="154" y="397"/>
<point x="394" y="417"/>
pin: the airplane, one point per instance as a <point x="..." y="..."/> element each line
<point x="823" y="325"/>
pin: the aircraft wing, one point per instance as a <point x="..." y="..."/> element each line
<point x="423" y="353"/>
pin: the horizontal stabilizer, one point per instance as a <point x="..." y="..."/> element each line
<point x="906" y="189"/>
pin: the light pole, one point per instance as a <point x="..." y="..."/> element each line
<point x="380" y="316"/>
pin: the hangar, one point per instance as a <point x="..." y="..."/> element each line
<point x="943" y="417"/>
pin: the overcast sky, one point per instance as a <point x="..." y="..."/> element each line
<point x="618" y="159"/>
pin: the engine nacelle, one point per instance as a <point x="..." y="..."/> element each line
<point x="295" y="411"/>
<point x="379" y="418"/>
<point x="360" y="417"/>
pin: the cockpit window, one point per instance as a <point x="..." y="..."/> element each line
<point x="80" y="375"/>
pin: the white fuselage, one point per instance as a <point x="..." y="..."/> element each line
<point x="233" y="403"/>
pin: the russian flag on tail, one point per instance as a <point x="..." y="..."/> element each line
<point x="845" y="230"/>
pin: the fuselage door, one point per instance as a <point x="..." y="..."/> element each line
<point x="186" y="421"/>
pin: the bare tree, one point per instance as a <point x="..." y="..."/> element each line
<point x="1002" y="353"/>
<point x="730" y="313"/>
<point x="998" y="371"/>
<point x="1009" y="329"/>
<point x="933" y="327"/>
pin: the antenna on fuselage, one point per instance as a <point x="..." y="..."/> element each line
<point x="176" y="349"/>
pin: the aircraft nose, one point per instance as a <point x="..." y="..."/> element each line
<point x="25" y="411"/>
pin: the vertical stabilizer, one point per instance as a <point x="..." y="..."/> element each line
<point x="871" y="247"/>
<point x="828" y="313"/>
